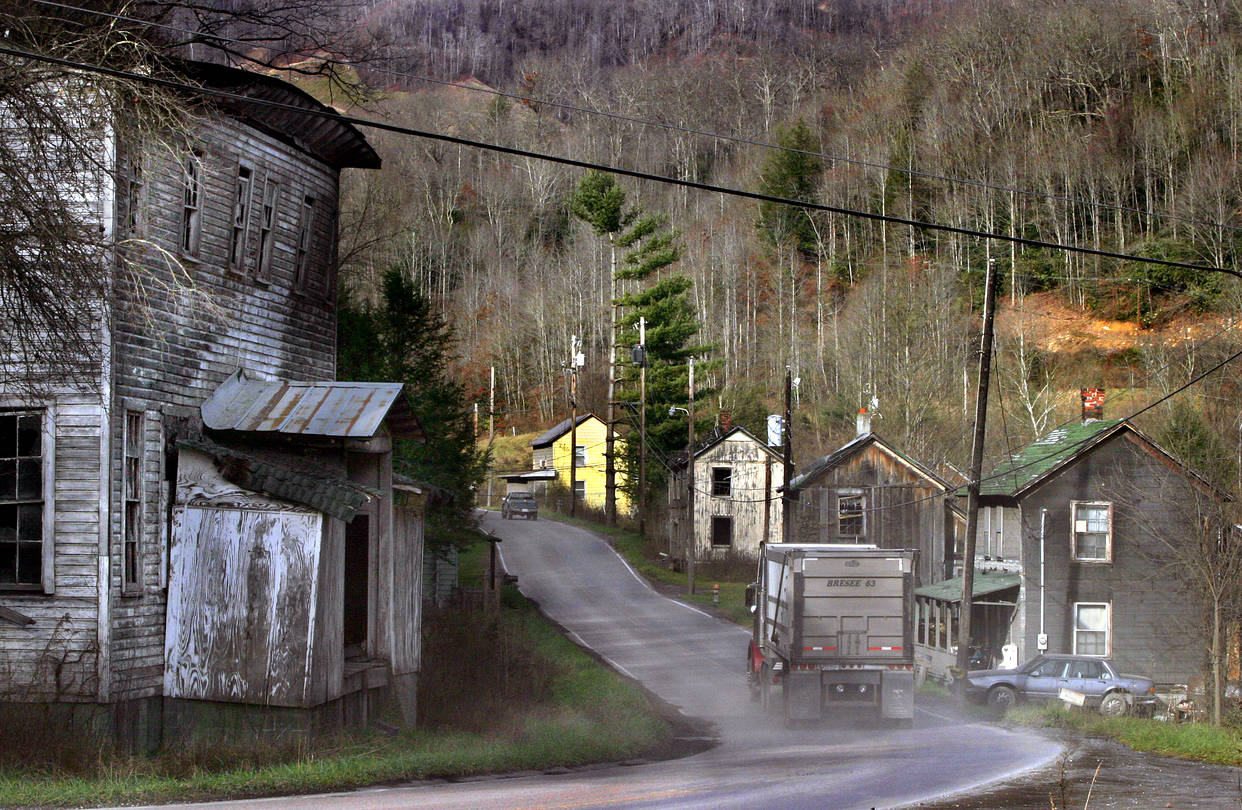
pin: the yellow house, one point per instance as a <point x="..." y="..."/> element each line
<point x="550" y="461"/>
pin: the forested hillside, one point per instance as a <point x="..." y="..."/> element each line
<point x="1112" y="125"/>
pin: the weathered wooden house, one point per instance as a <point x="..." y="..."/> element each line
<point x="1085" y="512"/>
<point x="550" y="463"/>
<point x="152" y="559"/>
<point x="736" y="500"/>
<point x="867" y="491"/>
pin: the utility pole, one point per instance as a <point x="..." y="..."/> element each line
<point x="787" y="429"/>
<point x="642" y="427"/>
<point x="576" y="360"/>
<point x="690" y="538"/>
<point x="972" y="483"/>
<point x="491" y="431"/>
<point x="610" y="460"/>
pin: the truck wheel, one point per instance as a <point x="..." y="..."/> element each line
<point x="1114" y="705"/>
<point x="1002" y="697"/>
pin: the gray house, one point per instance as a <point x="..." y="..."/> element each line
<point x="176" y="534"/>
<point x="1077" y="545"/>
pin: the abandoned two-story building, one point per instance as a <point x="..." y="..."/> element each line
<point x="211" y="524"/>
<point x="736" y="503"/>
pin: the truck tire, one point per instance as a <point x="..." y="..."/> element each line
<point x="1002" y="698"/>
<point x="1114" y="704"/>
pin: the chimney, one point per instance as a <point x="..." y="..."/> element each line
<point x="864" y="422"/>
<point x="1092" y="404"/>
<point x="726" y="420"/>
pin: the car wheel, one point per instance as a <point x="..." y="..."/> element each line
<point x="1114" y="705"/>
<point x="1002" y="697"/>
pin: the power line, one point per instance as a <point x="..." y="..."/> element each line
<point x="660" y="124"/>
<point x="600" y="167"/>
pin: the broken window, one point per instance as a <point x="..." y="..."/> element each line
<point x="131" y="485"/>
<point x="722" y="481"/>
<point x="722" y="531"/>
<point x="1093" y="531"/>
<point x="267" y="228"/>
<point x="241" y="220"/>
<point x="191" y="204"/>
<point x="850" y="513"/>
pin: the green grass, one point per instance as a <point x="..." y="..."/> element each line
<point x="1219" y="745"/>
<point x="595" y="715"/>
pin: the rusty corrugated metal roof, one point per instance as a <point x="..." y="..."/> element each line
<point x="352" y="410"/>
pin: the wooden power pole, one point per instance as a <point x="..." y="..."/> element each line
<point x="972" y="484"/>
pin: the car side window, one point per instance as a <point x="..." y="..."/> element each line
<point x="1087" y="669"/>
<point x="1049" y="669"/>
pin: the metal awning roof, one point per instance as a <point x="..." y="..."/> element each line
<point x="353" y="410"/>
<point x="533" y="475"/>
<point x="950" y="590"/>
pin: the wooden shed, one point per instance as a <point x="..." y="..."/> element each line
<point x="295" y="567"/>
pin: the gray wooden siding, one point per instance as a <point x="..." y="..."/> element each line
<point x="901" y="509"/>
<point x="1154" y="617"/>
<point x="56" y="657"/>
<point x="178" y="332"/>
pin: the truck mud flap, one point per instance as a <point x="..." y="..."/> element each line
<point x="897" y="695"/>
<point x="803" y="695"/>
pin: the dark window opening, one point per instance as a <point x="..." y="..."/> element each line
<point x="357" y="580"/>
<point x="722" y="481"/>
<point x="722" y="531"/>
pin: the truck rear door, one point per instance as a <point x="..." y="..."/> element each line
<point x="853" y="608"/>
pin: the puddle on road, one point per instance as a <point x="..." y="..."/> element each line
<point x="1126" y="780"/>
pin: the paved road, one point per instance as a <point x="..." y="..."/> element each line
<point x="696" y="662"/>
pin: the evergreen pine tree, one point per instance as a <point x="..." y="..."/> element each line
<point x="405" y="340"/>
<point x="792" y="172"/>
<point x="659" y="296"/>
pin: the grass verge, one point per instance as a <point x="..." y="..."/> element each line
<point x="1219" y="745"/>
<point x="585" y="713"/>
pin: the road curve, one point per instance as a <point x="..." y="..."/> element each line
<point x="696" y="663"/>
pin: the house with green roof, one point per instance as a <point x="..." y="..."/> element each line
<point x="1076" y="527"/>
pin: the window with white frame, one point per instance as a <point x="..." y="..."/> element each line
<point x="722" y="481"/>
<point x="580" y="456"/>
<point x="850" y="506"/>
<point x="25" y="458"/>
<point x="1093" y="531"/>
<point x="131" y="487"/>
<point x="579" y="491"/>
<point x="1092" y="628"/>
<point x="192" y="204"/>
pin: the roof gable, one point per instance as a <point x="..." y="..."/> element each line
<point x="855" y="446"/>
<point x="720" y="436"/>
<point x="552" y="434"/>
<point x="1043" y="457"/>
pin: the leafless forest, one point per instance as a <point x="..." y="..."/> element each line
<point x="1111" y="124"/>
